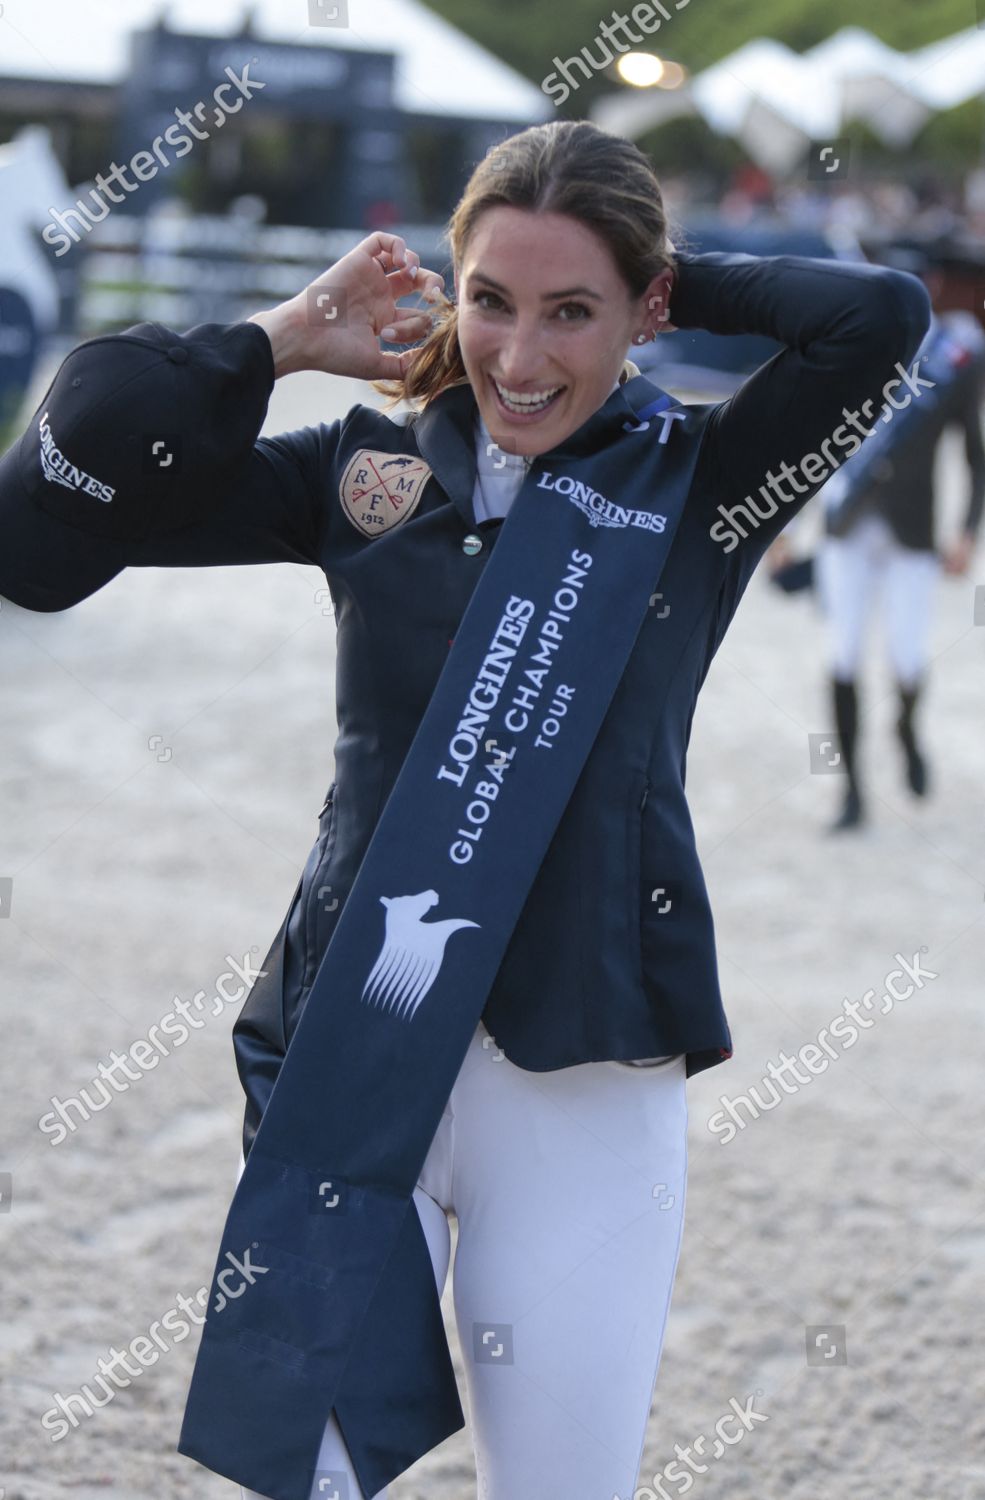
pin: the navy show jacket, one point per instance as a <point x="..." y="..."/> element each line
<point x="595" y="968"/>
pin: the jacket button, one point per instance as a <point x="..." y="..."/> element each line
<point x="472" y="544"/>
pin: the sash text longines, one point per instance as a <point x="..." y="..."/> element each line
<point x="487" y="689"/>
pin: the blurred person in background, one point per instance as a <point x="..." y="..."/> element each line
<point x="879" y="547"/>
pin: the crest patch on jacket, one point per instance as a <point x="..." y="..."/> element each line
<point x="379" y="490"/>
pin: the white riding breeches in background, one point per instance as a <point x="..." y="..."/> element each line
<point x="568" y="1187"/>
<point x="852" y="569"/>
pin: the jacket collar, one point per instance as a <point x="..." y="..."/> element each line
<point x="445" y="432"/>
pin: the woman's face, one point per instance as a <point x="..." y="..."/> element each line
<point x="544" y="322"/>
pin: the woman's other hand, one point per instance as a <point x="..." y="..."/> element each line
<point x="336" y="323"/>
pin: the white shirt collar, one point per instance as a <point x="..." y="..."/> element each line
<point x="499" y="474"/>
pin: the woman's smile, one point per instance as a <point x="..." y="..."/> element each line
<point x="525" y="406"/>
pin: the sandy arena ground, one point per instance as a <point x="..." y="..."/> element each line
<point x="166" y="746"/>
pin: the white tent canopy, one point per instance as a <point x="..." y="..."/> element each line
<point x="774" y="101"/>
<point x="439" y="70"/>
<point x="767" y="74"/>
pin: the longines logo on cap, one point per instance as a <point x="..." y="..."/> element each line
<point x="58" y="469"/>
<point x="599" y="510"/>
<point x="412" y="953"/>
<point x="379" y="490"/>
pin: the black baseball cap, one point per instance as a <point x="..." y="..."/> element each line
<point x="132" y="436"/>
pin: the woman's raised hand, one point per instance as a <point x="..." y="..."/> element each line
<point x="337" y="322"/>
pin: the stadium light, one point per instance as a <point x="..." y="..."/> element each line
<point x="644" y="70"/>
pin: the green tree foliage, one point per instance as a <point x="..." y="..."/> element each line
<point x="529" y="34"/>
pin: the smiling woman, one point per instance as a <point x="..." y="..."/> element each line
<point x="562" y="259"/>
<point x="526" y="660"/>
<point x="541" y="350"/>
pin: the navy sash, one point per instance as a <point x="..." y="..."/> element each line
<point x="323" y="1274"/>
<point x="940" y="359"/>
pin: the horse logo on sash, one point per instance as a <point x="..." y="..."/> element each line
<point x="412" y="952"/>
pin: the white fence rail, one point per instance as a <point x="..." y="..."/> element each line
<point x="184" y="271"/>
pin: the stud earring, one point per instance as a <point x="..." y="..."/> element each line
<point x="640" y="338"/>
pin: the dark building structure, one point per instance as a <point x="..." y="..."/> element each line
<point x="330" y="139"/>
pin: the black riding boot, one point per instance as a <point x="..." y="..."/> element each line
<point x="845" y="699"/>
<point x="916" y="765"/>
